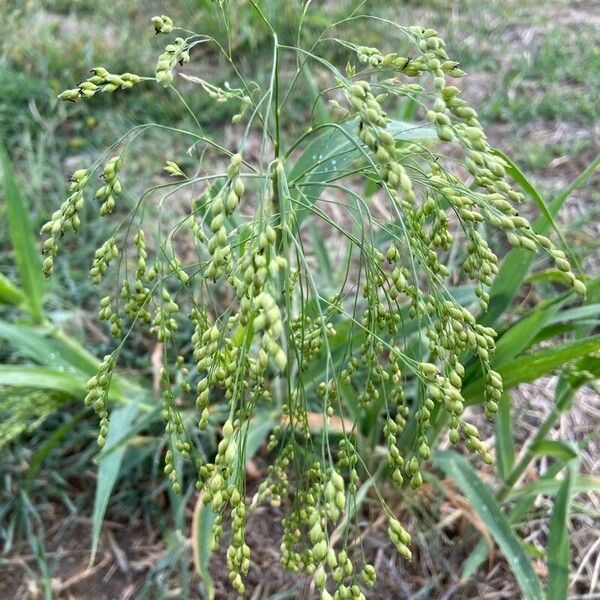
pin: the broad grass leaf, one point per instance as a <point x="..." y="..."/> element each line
<point x="483" y="502"/>
<point x="24" y="244"/>
<point x="121" y="420"/>
<point x="334" y="150"/>
<point x="39" y="456"/>
<point x="531" y="366"/>
<point x="556" y="449"/>
<point x="202" y="540"/>
<point x="41" y="378"/>
<point x="559" y="538"/>
<point x="49" y="347"/>
<point x="550" y="486"/>
<point x="9" y="293"/>
<point x="505" y="450"/>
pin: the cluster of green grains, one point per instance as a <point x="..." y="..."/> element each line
<point x="308" y="336"/>
<point x="205" y="343"/>
<point x="97" y="393"/>
<point x="335" y="496"/>
<point x="256" y="266"/>
<point x="178" y="52"/>
<point x="350" y="368"/>
<point x="106" y="313"/>
<point x="137" y="296"/>
<point x="64" y="219"/>
<point x="102" y="259"/>
<point x="164" y="323"/>
<point x="269" y="325"/>
<point x="399" y="537"/>
<point x="493" y="392"/>
<point x="183" y="374"/>
<point x="317" y="508"/>
<point x="395" y="458"/>
<point x="175" y="431"/>
<point x="447" y="390"/>
<point x="177" y="270"/>
<point x="372" y="132"/>
<point x="173" y="169"/>
<point x="111" y="189"/>
<point x="142" y="255"/>
<point x="453" y="120"/>
<point x="197" y="231"/>
<point x="162" y="24"/>
<point x="369" y="56"/>
<point x="217" y="484"/>
<point x="217" y="359"/>
<point x="221" y="209"/>
<point x="100" y="81"/>
<point x="238" y="552"/>
<point x="328" y="393"/>
<point x="347" y="459"/>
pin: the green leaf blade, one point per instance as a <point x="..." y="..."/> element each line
<point x="559" y="542"/>
<point x="481" y="499"/>
<point x="23" y="240"/>
<point x="110" y="466"/>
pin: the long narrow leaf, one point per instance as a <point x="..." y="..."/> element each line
<point x="40" y="345"/>
<point x="23" y="240"/>
<point x="337" y="148"/>
<point x="10" y="294"/>
<point x="108" y="471"/>
<point x="556" y="449"/>
<point x="550" y="487"/>
<point x="483" y="502"/>
<point x="202" y="540"/>
<point x="505" y="450"/>
<point x="531" y="366"/>
<point x="41" y="378"/>
<point x="520" y="335"/>
<point x="558" y="542"/>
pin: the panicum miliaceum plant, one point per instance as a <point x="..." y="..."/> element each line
<point x="264" y="320"/>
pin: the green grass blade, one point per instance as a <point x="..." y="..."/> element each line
<point x="9" y="294"/>
<point x="558" y="542"/>
<point x="24" y="244"/>
<point x="505" y="450"/>
<point x="533" y="365"/>
<point x="109" y="468"/>
<point x="550" y="487"/>
<point x="39" y="345"/>
<point x="580" y="313"/>
<point x="556" y="449"/>
<point x="41" y="378"/>
<point x="483" y="502"/>
<point x="474" y="560"/>
<point x="39" y="456"/>
<point x="520" y="335"/>
<point x="202" y="540"/>
<point x="334" y="150"/>
<point x="321" y="253"/>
